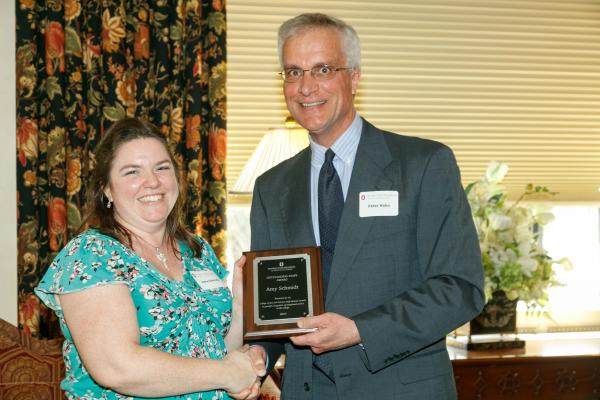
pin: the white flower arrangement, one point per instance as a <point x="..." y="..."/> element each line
<point x="514" y="260"/>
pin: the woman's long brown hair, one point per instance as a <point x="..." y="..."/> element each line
<point x="99" y="217"/>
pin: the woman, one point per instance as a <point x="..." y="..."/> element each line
<point x="141" y="301"/>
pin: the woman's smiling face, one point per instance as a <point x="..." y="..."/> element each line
<point x="142" y="184"/>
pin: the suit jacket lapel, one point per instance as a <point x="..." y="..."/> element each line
<point x="295" y="204"/>
<point x="368" y="174"/>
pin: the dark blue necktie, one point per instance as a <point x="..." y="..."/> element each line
<point x="331" y="204"/>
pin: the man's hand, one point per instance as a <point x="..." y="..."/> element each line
<point x="250" y="393"/>
<point x="258" y="357"/>
<point x="334" y="332"/>
<point x="237" y="283"/>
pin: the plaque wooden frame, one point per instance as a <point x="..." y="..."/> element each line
<point x="266" y="330"/>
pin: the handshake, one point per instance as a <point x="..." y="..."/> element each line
<point x="248" y="366"/>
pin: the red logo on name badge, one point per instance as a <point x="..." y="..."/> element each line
<point x="362" y="197"/>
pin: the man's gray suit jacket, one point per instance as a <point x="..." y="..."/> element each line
<point x="406" y="281"/>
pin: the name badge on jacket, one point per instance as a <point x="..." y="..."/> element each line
<point x="382" y="203"/>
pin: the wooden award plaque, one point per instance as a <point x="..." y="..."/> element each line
<point x="281" y="287"/>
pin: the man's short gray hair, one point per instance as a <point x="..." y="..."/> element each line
<point x="302" y="22"/>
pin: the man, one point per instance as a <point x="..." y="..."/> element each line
<point x="401" y="258"/>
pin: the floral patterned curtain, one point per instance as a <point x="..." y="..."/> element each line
<point x="82" y="65"/>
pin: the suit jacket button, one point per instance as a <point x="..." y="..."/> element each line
<point x="306" y="387"/>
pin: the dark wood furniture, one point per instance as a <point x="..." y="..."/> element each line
<point x="550" y="367"/>
<point x="29" y="368"/>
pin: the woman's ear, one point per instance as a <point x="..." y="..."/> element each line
<point x="107" y="193"/>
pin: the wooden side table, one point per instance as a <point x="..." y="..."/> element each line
<point x="551" y="366"/>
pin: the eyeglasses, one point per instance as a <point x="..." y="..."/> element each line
<point x="319" y="72"/>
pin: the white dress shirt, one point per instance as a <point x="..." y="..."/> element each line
<point x="345" y="152"/>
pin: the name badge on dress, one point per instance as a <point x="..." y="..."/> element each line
<point x="381" y="203"/>
<point x="208" y="280"/>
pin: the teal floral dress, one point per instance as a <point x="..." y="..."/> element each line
<point x="176" y="317"/>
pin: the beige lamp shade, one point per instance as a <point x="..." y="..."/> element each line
<point x="277" y="145"/>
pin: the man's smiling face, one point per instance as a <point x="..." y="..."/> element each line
<point x="324" y="108"/>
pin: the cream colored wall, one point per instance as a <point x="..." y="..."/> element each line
<point x="8" y="198"/>
<point x="493" y="80"/>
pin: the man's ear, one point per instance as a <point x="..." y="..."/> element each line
<point x="355" y="77"/>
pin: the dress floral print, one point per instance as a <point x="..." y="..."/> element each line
<point x="176" y="317"/>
